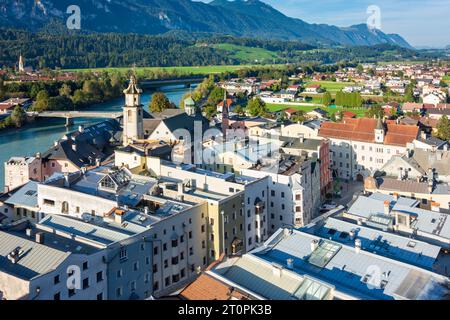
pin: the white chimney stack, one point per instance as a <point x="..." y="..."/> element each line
<point x="357" y="246"/>
<point x="314" y="245"/>
<point x="290" y="263"/>
<point x="436" y="207"/>
<point x="387" y="209"/>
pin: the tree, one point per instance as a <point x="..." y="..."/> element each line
<point x="2" y="88"/>
<point x="65" y="90"/>
<point x="59" y="103"/>
<point x="326" y="100"/>
<point x="210" y="111"/>
<point x="216" y="95"/>
<point x="239" y="110"/>
<point x="299" y="116"/>
<point x="41" y="102"/>
<point x="375" y="112"/>
<point x="256" y="107"/>
<point x="443" y="128"/>
<point x="159" y="102"/>
<point x="360" y="69"/>
<point x="18" y="116"/>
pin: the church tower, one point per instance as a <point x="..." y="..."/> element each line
<point x="379" y="132"/>
<point x="189" y="107"/>
<point x="21" y="64"/>
<point x="225" y="116"/>
<point x="133" y="114"/>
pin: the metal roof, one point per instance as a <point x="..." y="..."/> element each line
<point x="102" y="234"/>
<point x="386" y="244"/>
<point x="35" y="258"/>
<point x="25" y="196"/>
<point x="362" y="275"/>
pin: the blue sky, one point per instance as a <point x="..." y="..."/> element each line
<point x="420" y="22"/>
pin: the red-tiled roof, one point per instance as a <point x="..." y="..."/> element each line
<point x="363" y="129"/>
<point x="348" y="114"/>
<point x="291" y="111"/>
<point x="229" y="103"/>
<point x="410" y="106"/>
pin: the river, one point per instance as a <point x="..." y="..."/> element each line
<point x="41" y="134"/>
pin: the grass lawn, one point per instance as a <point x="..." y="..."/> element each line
<point x="187" y="70"/>
<point x="278" y="107"/>
<point x="446" y="78"/>
<point x="331" y="86"/>
<point x="247" y="53"/>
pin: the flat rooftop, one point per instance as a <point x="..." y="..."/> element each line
<point x="362" y="275"/>
<point x="386" y="244"/>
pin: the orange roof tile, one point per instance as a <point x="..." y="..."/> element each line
<point x="363" y="129"/>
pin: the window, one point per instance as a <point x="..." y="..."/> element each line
<point x="118" y="292"/>
<point x="142" y="246"/>
<point x="298" y="197"/>
<point x="147" y="260"/>
<point x="183" y="273"/>
<point x="190" y="234"/>
<point x="49" y="202"/>
<point x="119" y="273"/>
<point x="85" y="283"/>
<point x="133" y="286"/>
<point x="175" y="278"/>
<point x="156" y="286"/>
<point x="155" y="268"/>
<point x="123" y="254"/>
<point x="100" y="296"/>
<point x="99" y="276"/>
<point x="167" y="281"/>
<point x="174" y="243"/>
<point x="203" y="228"/>
<point x="56" y="280"/>
<point x="164" y="246"/>
<point x="174" y="260"/>
<point x="155" y="251"/>
<point x="85" y="265"/>
<point x="191" y="251"/>
<point x="71" y="292"/>
<point x="57" y="296"/>
<point x="136" y="266"/>
<point x="282" y="194"/>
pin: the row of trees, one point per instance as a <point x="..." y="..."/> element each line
<point x="75" y="95"/>
<point x="351" y="100"/>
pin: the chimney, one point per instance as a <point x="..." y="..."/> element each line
<point x="40" y="238"/>
<point x="38" y="155"/>
<point x="357" y="246"/>
<point x="396" y="196"/>
<point x="74" y="147"/>
<point x="146" y="210"/>
<point x="400" y="174"/>
<point x="314" y="245"/>
<point x="423" y="135"/>
<point x="435" y="207"/>
<point x="55" y="144"/>
<point x="290" y="263"/>
<point x="302" y="138"/>
<point x="80" y="129"/>
<point x="66" y="180"/>
<point x="352" y="234"/>
<point x="387" y="209"/>
<point x="276" y="271"/>
<point x="29" y="232"/>
<point x="98" y="162"/>
<point x="180" y="191"/>
<point x="119" y="216"/>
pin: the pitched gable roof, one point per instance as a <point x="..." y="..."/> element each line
<point x="363" y="129"/>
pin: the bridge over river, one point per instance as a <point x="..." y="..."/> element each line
<point x="70" y="115"/>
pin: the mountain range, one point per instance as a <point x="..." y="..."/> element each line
<point x="242" y="18"/>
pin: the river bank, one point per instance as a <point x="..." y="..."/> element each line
<point x="39" y="135"/>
